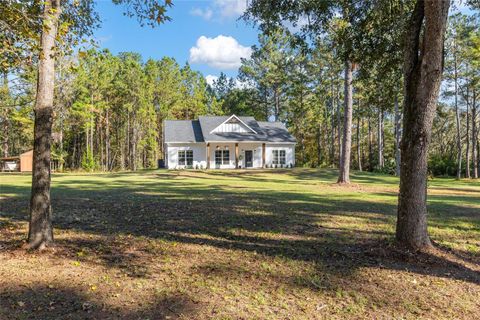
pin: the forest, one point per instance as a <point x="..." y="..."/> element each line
<point x="378" y="218"/>
<point x="109" y="109"/>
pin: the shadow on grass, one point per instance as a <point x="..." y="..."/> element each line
<point x="61" y="302"/>
<point x="164" y="207"/>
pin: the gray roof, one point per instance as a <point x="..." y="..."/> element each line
<point x="200" y="131"/>
<point x="183" y="131"/>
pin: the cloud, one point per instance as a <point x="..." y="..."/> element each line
<point x="210" y="79"/>
<point x="231" y="8"/>
<point x="221" y="9"/>
<point x="204" y="13"/>
<point x="222" y="52"/>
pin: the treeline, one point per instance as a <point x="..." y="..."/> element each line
<point x="109" y="109"/>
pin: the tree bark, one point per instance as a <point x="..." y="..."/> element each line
<point x="339" y="130"/>
<point x="474" y="136"/>
<point x="423" y="75"/>
<point x="397" y="137"/>
<point x="40" y="232"/>
<point x="370" y="145"/>
<point x="381" y="162"/>
<point x="344" y="175"/>
<point x="332" y="132"/>
<point x="467" y="142"/>
<point x="457" y="113"/>
<point x="6" y="120"/>
<point x="359" y="150"/>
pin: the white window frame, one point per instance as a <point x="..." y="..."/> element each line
<point x="279" y="157"/>
<point x="187" y="156"/>
<point x="223" y="160"/>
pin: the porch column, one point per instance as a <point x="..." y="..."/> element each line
<point x="208" y="155"/>
<point x="236" y="155"/>
<point x="263" y="155"/>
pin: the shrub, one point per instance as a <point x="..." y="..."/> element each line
<point x="88" y="162"/>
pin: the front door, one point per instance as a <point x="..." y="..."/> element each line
<point x="248" y="158"/>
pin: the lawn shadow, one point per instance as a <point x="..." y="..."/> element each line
<point x="222" y="216"/>
<point x="57" y="301"/>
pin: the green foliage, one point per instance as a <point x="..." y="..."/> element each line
<point x="88" y="161"/>
<point x="442" y="165"/>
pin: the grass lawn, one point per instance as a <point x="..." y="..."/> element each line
<point x="289" y="244"/>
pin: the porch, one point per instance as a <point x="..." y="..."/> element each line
<point x="235" y="155"/>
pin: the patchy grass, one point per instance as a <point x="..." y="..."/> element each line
<point x="237" y="245"/>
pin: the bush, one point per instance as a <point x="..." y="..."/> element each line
<point x="88" y="162"/>
<point x="388" y="168"/>
<point x="439" y="165"/>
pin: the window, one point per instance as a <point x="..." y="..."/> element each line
<point x="279" y="157"/>
<point x="222" y="157"/>
<point x="185" y="157"/>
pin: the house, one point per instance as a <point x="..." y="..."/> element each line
<point x="227" y="142"/>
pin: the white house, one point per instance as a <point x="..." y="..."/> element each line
<point x="227" y="142"/>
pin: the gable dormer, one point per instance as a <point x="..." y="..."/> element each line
<point x="233" y="124"/>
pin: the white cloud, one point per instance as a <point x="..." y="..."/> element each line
<point x="222" y="52"/>
<point x="204" y="13"/>
<point x="221" y="9"/>
<point x="210" y="79"/>
<point x="231" y="8"/>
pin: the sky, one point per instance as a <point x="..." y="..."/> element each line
<point x="205" y="33"/>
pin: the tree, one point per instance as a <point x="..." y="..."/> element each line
<point x="423" y="65"/>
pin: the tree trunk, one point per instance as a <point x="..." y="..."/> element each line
<point x="467" y="142"/>
<point x="6" y="120"/>
<point x="40" y="233"/>
<point x="423" y="75"/>
<point x="457" y="113"/>
<point x="397" y="137"/>
<point x="344" y="176"/>
<point x="107" y="140"/>
<point x="381" y="162"/>
<point x="370" y="145"/>
<point x="474" y="136"/>
<point x="332" y="132"/>
<point x="359" y="151"/>
<point x="339" y="130"/>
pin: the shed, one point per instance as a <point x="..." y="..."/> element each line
<point x="22" y="163"/>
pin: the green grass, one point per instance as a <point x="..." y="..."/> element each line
<point x="286" y="244"/>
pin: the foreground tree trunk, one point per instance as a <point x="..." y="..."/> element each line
<point x="344" y="176"/>
<point x="40" y="232"/>
<point x="423" y="67"/>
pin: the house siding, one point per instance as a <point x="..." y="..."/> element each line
<point x="231" y="162"/>
<point x="199" y="154"/>
<point x="289" y="153"/>
<point x="257" y="154"/>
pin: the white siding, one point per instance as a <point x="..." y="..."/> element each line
<point x="257" y="154"/>
<point x="232" y="127"/>
<point x="289" y="153"/>
<point x="199" y="154"/>
<point x="231" y="148"/>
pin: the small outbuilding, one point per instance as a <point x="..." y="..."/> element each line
<point x="21" y="163"/>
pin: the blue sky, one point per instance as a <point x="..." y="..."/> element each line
<point x="211" y="28"/>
